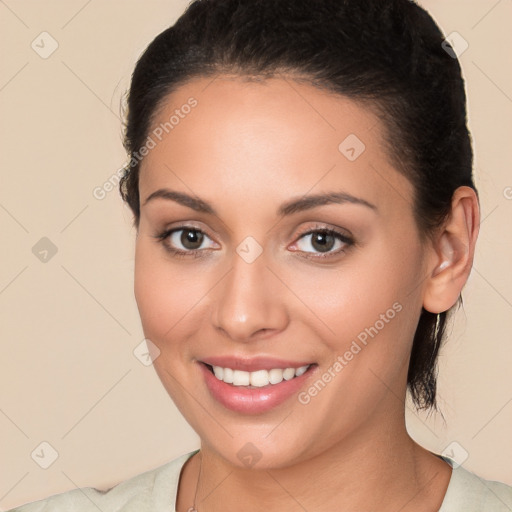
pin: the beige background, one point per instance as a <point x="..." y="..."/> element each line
<point x="69" y="325"/>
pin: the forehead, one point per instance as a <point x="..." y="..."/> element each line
<point x="275" y="137"/>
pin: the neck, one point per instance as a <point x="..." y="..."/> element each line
<point x="374" y="468"/>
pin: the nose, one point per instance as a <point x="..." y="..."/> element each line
<point x="249" y="303"/>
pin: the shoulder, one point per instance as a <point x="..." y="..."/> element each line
<point x="468" y="492"/>
<point x="154" y="490"/>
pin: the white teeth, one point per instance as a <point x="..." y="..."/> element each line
<point x="241" y="378"/>
<point x="289" y="373"/>
<point x="258" y="378"/>
<point x="301" y="370"/>
<point x="275" y="376"/>
<point x="227" y="375"/>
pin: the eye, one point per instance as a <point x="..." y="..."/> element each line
<point x="184" y="241"/>
<point x="325" y="241"/>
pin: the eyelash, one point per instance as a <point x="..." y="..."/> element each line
<point x="196" y="253"/>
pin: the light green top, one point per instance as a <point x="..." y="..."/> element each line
<point x="155" y="491"/>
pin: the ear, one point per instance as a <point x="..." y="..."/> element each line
<point x="451" y="258"/>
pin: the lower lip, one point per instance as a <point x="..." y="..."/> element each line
<point x="253" y="400"/>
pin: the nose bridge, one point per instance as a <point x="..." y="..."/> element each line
<point x="249" y="299"/>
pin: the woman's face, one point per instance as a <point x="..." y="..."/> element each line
<point x="228" y="181"/>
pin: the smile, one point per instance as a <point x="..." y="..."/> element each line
<point x="256" y="386"/>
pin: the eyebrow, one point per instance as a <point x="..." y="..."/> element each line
<point x="288" y="208"/>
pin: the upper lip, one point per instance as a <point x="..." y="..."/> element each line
<point x="252" y="364"/>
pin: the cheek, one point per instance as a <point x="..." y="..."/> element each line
<point x="366" y="290"/>
<point x="166" y="294"/>
<point x="367" y="316"/>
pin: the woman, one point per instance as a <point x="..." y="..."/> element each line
<point x="301" y="182"/>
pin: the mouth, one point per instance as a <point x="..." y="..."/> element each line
<point x="262" y="389"/>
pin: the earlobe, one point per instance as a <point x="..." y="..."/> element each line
<point x="452" y="253"/>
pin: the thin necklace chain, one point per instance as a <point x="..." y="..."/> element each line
<point x="194" y="508"/>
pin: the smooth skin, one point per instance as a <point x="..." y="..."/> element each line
<point x="247" y="148"/>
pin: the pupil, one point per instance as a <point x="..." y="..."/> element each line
<point x="325" y="241"/>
